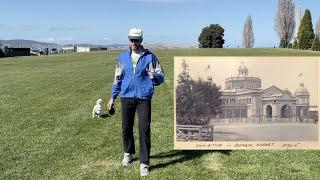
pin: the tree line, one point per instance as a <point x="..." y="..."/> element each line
<point x="197" y="101"/>
<point x="284" y="24"/>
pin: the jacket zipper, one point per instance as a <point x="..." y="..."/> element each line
<point x="134" y="71"/>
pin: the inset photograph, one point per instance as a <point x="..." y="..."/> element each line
<point x="246" y="99"/>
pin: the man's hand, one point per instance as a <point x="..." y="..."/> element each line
<point x="150" y="73"/>
<point x="118" y="72"/>
<point x="110" y="103"/>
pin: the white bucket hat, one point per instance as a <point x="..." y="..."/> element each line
<point x="135" y="33"/>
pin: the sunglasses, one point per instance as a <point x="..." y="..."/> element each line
<point x="134" y="40"/>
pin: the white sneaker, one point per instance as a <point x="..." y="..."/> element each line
<point x="127" y="159"/>
<point x="144" y="169"/>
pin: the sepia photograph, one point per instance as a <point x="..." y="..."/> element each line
<point x="246" y="99"/>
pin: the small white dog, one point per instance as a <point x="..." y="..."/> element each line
<point x="97" y="109"/>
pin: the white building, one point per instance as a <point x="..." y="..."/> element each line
<point x="244" y="100"/>
<point x="75" y="49"/>
<point x="82" y="49"/>
<point x="68" y="49"/>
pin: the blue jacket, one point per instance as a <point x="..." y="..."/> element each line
<point x="135" y="82"/>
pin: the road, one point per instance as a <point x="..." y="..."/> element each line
<point x="266" y="132"/>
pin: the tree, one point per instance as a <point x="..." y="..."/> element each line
<point x="197" y="101"/>
<point x="305" y="33"/>
<point x="284" y="21"/>
<point x="282" y="44"/>
<point x="295" y="44"/>
<point x="248" y="35"/>
<point x="317" y="29"/>
<point x="211" y="37"/>
<point x="316" y="44"/>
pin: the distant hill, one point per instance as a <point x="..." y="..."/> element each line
<point x="27" y="44"/>
<point x="168" y="46"/>
<point x="36" y="45"/>
<point x="155" y="46"/>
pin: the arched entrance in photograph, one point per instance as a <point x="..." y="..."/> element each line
<point x="285" y="111"/>
<point x="269" y="111"/>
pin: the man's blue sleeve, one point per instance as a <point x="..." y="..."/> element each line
<point x="158" y="72"/>
<point x="116" y="87"/>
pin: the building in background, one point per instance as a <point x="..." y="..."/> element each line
<point x="5" y="51"/>
<point x="82" y="49"/>
<point x="68" y="49"/>
<point x="98" y="48"/>
<point x="2" y="54"/>
<point x="13" y="51"/>
<point x="20" y="51"/>
<point x="76" y="48"/>
<point x="244" y="100"/>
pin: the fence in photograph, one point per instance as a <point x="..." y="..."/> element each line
<point x="194" y="133"/>
<point x="265" y="119"/>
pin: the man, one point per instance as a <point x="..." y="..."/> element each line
<point x="136" y="74"/>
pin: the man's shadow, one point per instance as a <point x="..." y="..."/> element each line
<point x="182" y="156"/>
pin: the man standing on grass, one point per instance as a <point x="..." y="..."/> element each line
<point x="137" y="72"/>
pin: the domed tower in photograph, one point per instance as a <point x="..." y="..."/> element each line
<point x="243" y="81"/>
<point x="302" y="100"/>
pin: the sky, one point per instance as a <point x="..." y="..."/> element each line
<point x="271" y="71"/>
<point x="163" y="21"/>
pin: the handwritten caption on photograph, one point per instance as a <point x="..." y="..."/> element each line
<point x="260" y="145"/>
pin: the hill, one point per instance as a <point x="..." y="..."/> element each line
<point x="27" y="44"/>
<point x="35" y="45"/>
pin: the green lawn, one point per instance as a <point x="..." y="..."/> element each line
<point x="46" y="129"/>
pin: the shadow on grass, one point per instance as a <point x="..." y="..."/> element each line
<point x="182" y="156"/>
<point x="105" y="116"/>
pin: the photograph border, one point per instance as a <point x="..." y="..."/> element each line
<point x="244" y="145"/>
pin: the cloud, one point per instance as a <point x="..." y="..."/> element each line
<point x="67" y="28"/>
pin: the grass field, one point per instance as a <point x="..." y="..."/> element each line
<point x="46" y="129"/>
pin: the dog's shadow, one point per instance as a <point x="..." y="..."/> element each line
<point x="179" y="156"/>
